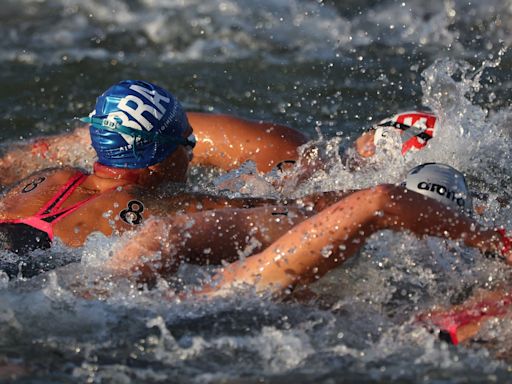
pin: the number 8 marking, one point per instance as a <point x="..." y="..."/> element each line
<point x="132" y="214"/>
<point x="33" y="185"/>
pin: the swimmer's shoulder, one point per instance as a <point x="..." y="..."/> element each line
<point x="43" y="178"/>
<point x="162" y="198"/>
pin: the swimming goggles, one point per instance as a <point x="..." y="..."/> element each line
<point x="117" y="127"/>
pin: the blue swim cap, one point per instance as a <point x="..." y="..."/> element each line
<point x="136" y="124"/>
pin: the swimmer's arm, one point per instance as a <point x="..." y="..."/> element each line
<point x="223" y="141"/>
<point x="226" y="141"/>
<point x="188" y="203"/>
<point x="208" y="237"/>
<point x="23" y="159"/>
<point x="201" y="202"/>
<point x="320" y="243"/>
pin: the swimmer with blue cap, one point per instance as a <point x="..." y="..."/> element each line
<point x="137" y="127"/>
<point x="136" y="124"/>
<point x="143" y="140"/>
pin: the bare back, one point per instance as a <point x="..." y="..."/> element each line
<point x="109" y="211"/>
<point x="90" y="208"/>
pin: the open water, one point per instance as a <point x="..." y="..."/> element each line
<point x="329" y="68"/>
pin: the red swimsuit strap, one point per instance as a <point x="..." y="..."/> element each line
<point x="62" y="194"/>
<point x="49" y="214"/>
<point x="54" y="216"/>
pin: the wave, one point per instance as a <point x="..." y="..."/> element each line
<point x="59" y="31"/>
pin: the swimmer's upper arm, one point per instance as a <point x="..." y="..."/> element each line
<point x="23" y="159"/>
<point x="57" y="146"/>
<point x="226" y="141"/>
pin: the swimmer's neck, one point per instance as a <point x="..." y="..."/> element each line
<point x="105" y="177"/>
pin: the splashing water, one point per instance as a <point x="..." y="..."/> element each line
<point x="326" y="68"/>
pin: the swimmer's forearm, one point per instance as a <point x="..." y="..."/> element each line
<point x="309" y="250"/>
<point x="145" y="254"/>
<point x="320" y="243"/>
<point x="191" y="203"/>
<point x="22" y="159"/>
<point x="407" y="210"/>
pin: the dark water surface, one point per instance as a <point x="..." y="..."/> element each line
<point x="329" y="68"/>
